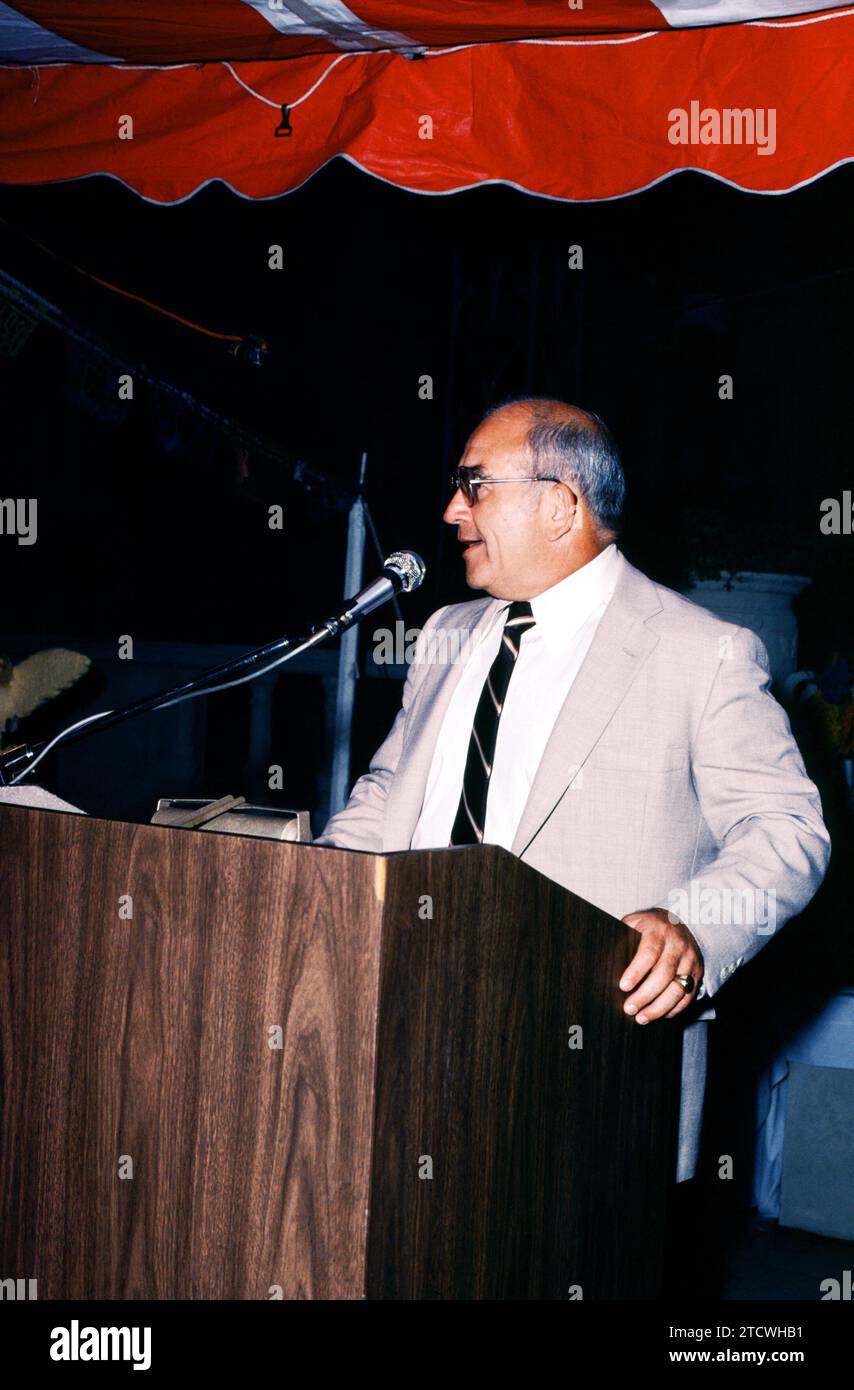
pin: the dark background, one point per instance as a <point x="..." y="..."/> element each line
<point x="682" y="283"/>
<point x="153" y="514"/>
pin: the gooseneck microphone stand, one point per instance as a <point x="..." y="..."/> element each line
<point x="403" y="571"/>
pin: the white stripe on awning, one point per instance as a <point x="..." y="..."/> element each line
<point x="331" y="19"/>
<point x="24" y="41"/>
<point x="683" y="14"/>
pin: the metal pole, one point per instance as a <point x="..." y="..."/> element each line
<point x="348" y="657"/>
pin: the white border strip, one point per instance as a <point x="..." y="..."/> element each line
<point x="449" y="192"/>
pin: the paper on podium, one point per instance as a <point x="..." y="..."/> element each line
<point x="39" y="798"/>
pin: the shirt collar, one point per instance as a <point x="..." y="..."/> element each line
<point x="561" y="611"/>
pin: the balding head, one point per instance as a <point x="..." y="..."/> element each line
<point x="541" y="410"/>
<point x="577" y="447"/>
<point x="521" y="537"/>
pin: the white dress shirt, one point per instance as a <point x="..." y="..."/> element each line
<point x="550" y="657"/>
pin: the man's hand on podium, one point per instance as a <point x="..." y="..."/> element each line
<point x="667" y="950"/>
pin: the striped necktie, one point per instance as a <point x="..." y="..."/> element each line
<point x="471" y="813"/>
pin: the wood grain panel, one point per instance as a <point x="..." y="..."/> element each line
<point x="405" y="1037"/>
<point x="149" y="1038"/>
<point x="550" y="1165"/>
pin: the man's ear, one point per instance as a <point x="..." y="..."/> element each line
<point x="565" y="512"/>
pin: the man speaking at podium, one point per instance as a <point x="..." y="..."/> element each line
<point x="612" y="734"/>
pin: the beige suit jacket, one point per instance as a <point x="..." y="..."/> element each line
<point x="671" y="778"/>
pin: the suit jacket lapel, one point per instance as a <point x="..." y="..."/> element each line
<point x="617" y="652"/>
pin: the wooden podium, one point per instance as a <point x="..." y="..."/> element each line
<point x="315" y="1074"/>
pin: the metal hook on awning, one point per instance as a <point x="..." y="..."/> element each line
<point x="284" y="128"/>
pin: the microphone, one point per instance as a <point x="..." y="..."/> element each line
<point x="403" y="571"/>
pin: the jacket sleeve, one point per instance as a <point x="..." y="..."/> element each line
<point x="359" y="825"/>
<point x="762" y="809"/>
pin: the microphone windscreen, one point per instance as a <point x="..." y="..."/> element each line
<point x="409" y="567"/>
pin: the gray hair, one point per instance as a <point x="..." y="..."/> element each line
<point x="581" y="453"/>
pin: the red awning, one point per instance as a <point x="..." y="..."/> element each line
<point x="568" y="103"/>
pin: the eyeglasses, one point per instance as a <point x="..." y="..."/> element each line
<point x="463" y="479"/>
